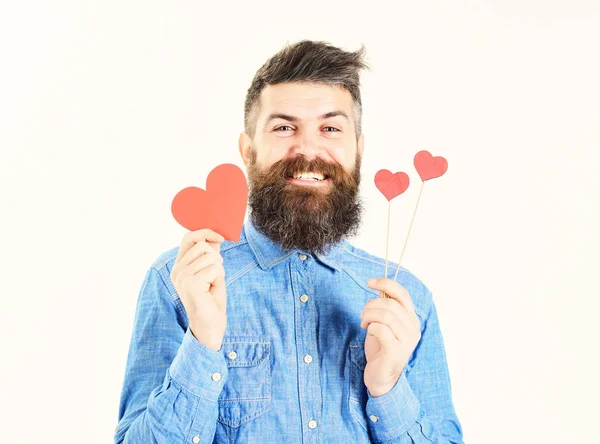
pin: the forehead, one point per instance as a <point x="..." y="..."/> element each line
<point x="304" y="100"/>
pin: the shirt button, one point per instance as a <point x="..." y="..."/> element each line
<point x="216" y="376"/>
<point x="232" y="355"/>
<point x="374" y="418"/>
<point x="308" y="359"/>
<point x="312" y="424"/>
<point x="302" y="257"/>
<point x="196" y="439"/>
<point x="304" y="298"/>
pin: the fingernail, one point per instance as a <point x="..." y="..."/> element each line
<point x="371" y="281"/>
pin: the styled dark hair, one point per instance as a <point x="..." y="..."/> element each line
<point x="308" y="61"/>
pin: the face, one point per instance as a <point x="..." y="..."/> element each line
<point x="303" y="132"/>
<point x="303" y="166"/>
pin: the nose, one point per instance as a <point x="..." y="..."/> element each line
<point x="308" y="147"/>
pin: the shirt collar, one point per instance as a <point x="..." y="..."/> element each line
<point x="269" y="253"/>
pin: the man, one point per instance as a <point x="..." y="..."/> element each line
<point x="281" y="337"/>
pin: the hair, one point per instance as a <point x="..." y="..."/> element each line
<point x="308" y="61"/>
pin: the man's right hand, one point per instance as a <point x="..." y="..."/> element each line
<point x="199" y="278"/>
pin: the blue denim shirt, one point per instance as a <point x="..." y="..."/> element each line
<point x="291" y="365"/>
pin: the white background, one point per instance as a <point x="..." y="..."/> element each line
<point x="108" y="109"/>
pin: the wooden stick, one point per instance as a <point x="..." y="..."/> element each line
<point x="409" y="228"/>
<point x="387" y="244"/>
<point x="387" y="240"/>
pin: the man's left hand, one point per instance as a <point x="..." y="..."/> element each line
<point x="393" y="332"/>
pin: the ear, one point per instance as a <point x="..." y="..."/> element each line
<point x="361" y="144"/>
<point x="245" y="145"/>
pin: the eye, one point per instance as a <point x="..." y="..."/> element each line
<point x="283" y="126"/>
<point x="332" y="129"/>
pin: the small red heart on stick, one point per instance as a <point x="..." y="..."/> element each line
<point x="221" y="207"/>
<point x="391" y="185"/>
<point x="429" y="167"/>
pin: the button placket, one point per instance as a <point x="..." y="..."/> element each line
<point x="309" y="380"/>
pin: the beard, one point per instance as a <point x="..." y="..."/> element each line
<point x="302" y="217"/>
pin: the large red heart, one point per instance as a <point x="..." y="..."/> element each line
<point x="429" y="167"/>
<point x="221" y="207"/>
<point x="391" y="185"/>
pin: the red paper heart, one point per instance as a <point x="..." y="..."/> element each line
<point x="429" y="167"/>
<point x="391" y="185"/>
<point x="221" y="207"/>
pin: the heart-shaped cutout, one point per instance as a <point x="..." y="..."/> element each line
<point x="391" y="185"/>
<point x="221" y="207"/>
<point x="429" y="167"/>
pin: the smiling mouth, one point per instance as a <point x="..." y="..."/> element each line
<point x="310" y="176"/>
<point x="319" y="181"/>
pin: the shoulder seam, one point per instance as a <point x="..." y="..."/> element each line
<point x="378" y="262"/>
<point x="391" y="264"/>
<point x="241" y="272"/>
<point x="235" y="244"/>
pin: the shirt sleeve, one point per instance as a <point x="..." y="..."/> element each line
<point x="172" y="381"/>
<point x="419" y="408"/>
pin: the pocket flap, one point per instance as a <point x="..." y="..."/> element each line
<point x="357" y="354"/>
<point x="245" y="351"/>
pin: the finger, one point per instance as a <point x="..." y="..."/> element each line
<point x="387" y="318"/>
<point x="384" y="334"/>
<point x="392" y="289"/>
<point x="196" y="251"/>
<point x="211" y="274"/>
<point x="202" y="282"/>
<point x="202" y="262"/>
<point x="193" y="237"/>
<point x="387" y="303"/>
<point x="404" y="316"/>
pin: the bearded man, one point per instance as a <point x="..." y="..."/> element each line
<point x="282" y="336"/>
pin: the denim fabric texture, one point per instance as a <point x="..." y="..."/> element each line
<point x="291" y="365"/>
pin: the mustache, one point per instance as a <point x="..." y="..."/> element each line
<point x="286" y="168"/>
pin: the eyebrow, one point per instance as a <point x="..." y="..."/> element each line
<point x="295" y="119"/>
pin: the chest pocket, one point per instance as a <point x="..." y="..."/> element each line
<point x="247" y="390"/>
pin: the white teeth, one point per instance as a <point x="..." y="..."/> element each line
<point x="309" y="176"/>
